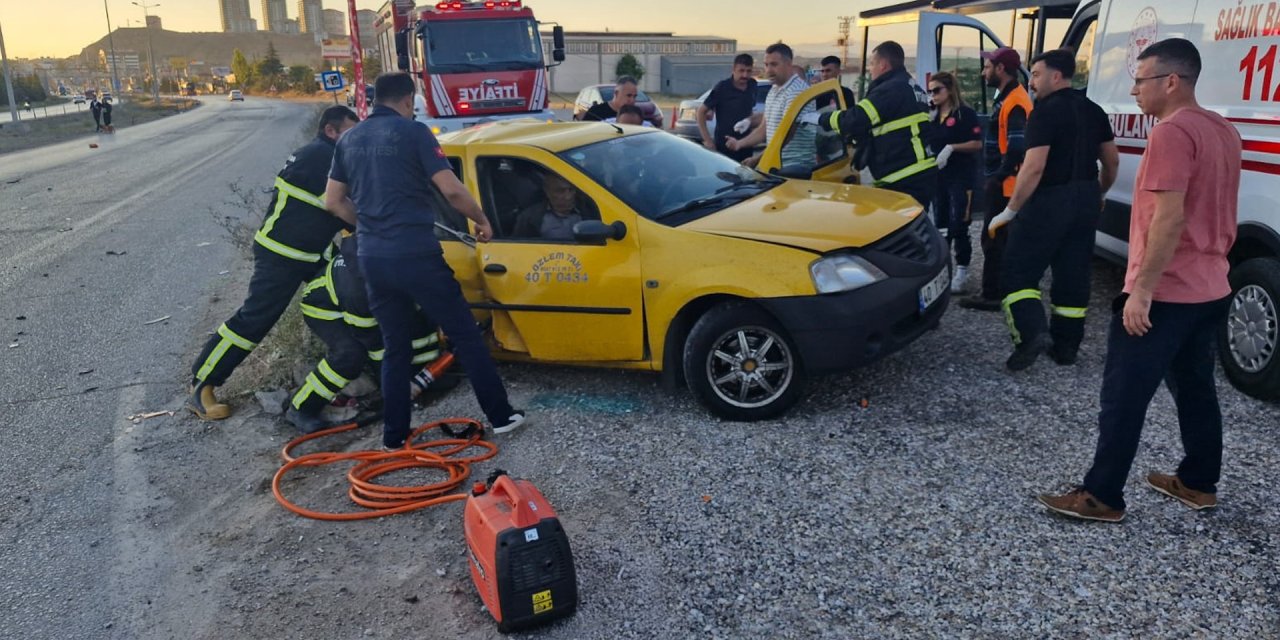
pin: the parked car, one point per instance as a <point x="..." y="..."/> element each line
<point x="737" y="283"/>
<point x="78" y="100"/>
<point x="686" y="119"/>
<point x="235" y="95"/>
<point x="604" y="92"/>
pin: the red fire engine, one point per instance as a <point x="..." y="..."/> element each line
<point x="473" y="61"/>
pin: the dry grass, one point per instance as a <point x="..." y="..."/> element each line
<point x="29" y="134"/>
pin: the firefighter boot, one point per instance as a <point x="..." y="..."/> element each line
<point x="203" y="403"/>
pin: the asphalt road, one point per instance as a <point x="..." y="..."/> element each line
<point x="78" y="353"/>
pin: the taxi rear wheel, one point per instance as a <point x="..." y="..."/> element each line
<point x="741" y="364"/>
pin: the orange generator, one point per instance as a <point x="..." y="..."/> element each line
<point x="519" y="554"/>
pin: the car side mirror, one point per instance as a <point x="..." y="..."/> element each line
<point x="598" y="232"/>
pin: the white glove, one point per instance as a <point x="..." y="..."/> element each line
<point x="1001" y="220"/>
<point x="740" y="127"/>
<point x="809" y="118"/>
<point x="944" y="156"/>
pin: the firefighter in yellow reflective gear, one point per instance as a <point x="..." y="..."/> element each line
<point x="335" y="307"/>
<point x="292" y="245"/>
<point x="891" y="128"/>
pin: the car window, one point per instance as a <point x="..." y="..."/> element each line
<point x="446" y="214"/>
<point x="530" y="203"/>
<point x="807" y="146"/>
<point x="606" y="94"/>
<point x="666" y="178"/>
<point x="762" y="91"/>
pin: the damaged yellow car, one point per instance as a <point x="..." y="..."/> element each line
<point x="628" y="247"/>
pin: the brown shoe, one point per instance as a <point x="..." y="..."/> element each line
<point x="1079" y="503"/>
<point x="205" y="405"/>
<point x="1171" y="486"/>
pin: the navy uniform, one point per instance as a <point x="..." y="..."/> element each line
<point x="1056" y="227"/>
<point x="335" y="307"/>
<point x="891" y="128"/>
<point x="292" y="246"/>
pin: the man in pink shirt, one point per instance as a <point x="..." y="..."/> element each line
<point x="1176" y="292"/>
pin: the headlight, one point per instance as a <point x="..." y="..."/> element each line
<point x="833" y="274"/>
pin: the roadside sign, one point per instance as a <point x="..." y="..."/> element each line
<point x="331" y="80"/>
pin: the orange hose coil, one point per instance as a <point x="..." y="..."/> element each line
<point x="385" y="500"/>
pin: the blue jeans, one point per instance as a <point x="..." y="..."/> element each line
<point x="1178" y="349"/>
<point x="951" y="212"/>
<point x="395" y="285"/>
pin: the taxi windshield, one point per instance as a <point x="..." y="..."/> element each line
<point x="666" y="178"/>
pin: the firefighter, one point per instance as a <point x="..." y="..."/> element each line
<point x="1053" y="213"/>
<point x="1004" y="146"/>
<point x="335" y="307"/>
<point x="891" y="128"/>
<point x="289" y="249"/>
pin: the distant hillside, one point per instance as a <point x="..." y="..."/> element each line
<point x="214" y="49"/>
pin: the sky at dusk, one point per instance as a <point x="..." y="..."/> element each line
<point x="32" y="28"/>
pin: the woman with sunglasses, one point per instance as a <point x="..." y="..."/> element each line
<point x="956" y="146"/>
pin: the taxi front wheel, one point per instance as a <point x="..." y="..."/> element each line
<point x="741" y="363"/>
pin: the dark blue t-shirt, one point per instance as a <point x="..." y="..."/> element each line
<point x="387" y="163"/>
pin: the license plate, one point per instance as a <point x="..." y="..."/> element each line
<point x="930" y="293"/>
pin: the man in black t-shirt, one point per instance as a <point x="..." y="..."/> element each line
<point x="1054" y="210"/>
<point x="831" y="71"/>
<point x="732" y="101"/>
<point x="624" y="93"/>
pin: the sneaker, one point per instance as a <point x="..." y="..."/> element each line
<point x="1079" y="503"/>
<point x="203" y="403"/>
<point x="516" y="421"/>
<point x="1171" y="486"/>
<point x="307" y="423"/>
<point x="1025" y="354"/>
<point x="979" y="303"/>
<point x="958" y="279"/>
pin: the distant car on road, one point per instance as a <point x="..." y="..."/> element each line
<point x="368" y="96"/>
<point x="604" y="93"/>
<point x="78" y="100"/>
<point x="235" y="95"/>
<point x="686" y="124"/>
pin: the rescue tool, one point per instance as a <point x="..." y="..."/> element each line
<point x="518" y="553"/>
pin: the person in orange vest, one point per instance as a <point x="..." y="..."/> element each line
<point x="1004" y="147"/>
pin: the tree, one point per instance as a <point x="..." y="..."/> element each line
<point x="629" y="66"/>
<point x="241" y="68"/>
<point x="372" y="68"/>
<point x="270" y="66"/>
<point x="302" y="78"/>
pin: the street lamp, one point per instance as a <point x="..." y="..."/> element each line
<point x="111" y="40"/>
<point x="155" y="79"/>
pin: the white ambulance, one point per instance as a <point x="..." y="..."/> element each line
<point x="1239" y="42"/>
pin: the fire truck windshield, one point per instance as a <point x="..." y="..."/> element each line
<point x="459" y="46"/>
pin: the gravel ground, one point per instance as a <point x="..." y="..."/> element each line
<point x="911" y="518"/>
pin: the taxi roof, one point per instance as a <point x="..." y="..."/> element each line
<point x="552" y="136"/>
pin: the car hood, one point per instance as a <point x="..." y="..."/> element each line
<point x="816" y="216"/>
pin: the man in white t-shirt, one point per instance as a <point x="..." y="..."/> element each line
<point x="786" y="86"/>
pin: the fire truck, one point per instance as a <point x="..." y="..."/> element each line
<point x="473" y="61"/>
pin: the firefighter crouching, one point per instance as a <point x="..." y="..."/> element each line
<point x="293" y="244"/>
<point x="890" y="127"/>
<point x="335" y="307"/>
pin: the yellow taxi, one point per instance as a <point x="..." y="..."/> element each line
<point x="628" y="247"/>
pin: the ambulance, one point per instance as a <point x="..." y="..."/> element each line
<point x="1239" y="41"/>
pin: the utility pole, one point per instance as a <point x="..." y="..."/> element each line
<point x="111" y="40"/>
<point x="151" y="53"/>
<point x="8" y="82"/>
<point x="843" y="41"/>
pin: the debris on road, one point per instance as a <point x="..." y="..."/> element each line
<point x="160" y="319"/>
<point x="139" y="417"/>
<point x="204" y="244"/>
<point x="20" y="318"/>
<point x="272" y="401"/>
<point x="84" y="372"/>
<point x="116" y="253"/>
<point x="13" y="345"/>
<point x="14" y="181"/>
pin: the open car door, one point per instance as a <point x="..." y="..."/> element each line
<point x="802" y="150"/>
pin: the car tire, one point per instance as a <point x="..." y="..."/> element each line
<point x="1249" y="346"/>
<point x="756" y="381"/>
